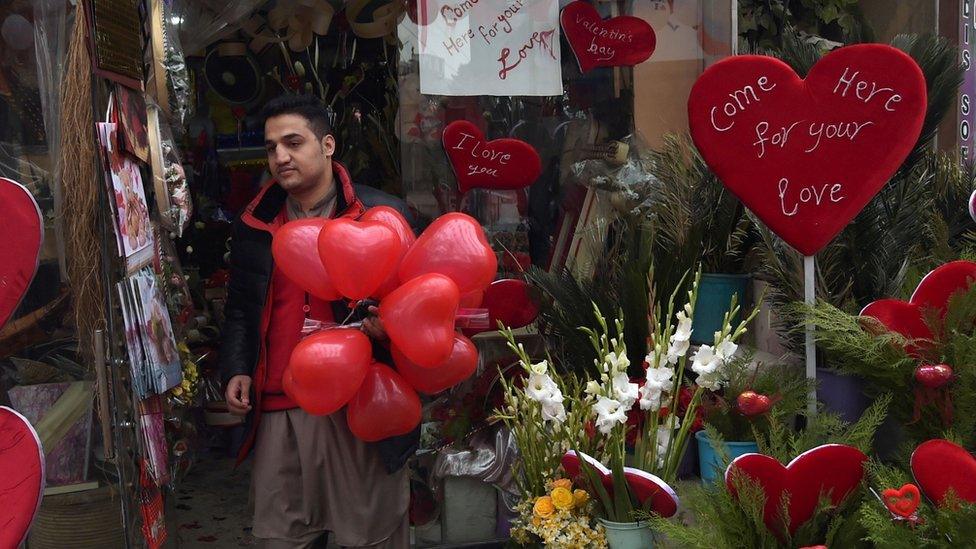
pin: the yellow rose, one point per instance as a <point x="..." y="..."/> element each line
<point x="543" y="507"/>
<point x="580" y="497"/>
<point x="562" y="482"/>
<point x="562" y="498"/>
<point x="177" y="391"/>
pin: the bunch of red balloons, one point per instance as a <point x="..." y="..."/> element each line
<point x="420" y="282"/>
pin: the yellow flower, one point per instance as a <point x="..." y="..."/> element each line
<point x="177" y="391"/>
<point x="580" y="497"/>
<point x="562" y="482"/>
<point x="543" y="507"/>
<point x="562" y="498"/>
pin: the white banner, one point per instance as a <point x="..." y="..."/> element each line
<point x="489" y="47"/>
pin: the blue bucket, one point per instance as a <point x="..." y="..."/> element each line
<point x="715" y="292"/>
<point x="708" y="460"/>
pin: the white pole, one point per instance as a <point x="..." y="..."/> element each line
<point x="809" y="292"/>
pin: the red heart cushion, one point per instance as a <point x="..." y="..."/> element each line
<point x="622" y="41"/>
<point x="21" y="476"/>
<point x="23" y="231"/>
<point x="834" y="470"/>
<point x="806" y="156"/>
<point x="939" y="465"/>
<point x="499" y="164"/>
<point x="643" y="485"/>
<point x="358" y="255"/>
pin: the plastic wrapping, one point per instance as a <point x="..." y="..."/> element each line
<point x="172" y="188"/>
<point x="489" y="457"/>
<point x="177" y="74"/>
<point x="623" y="169"/>
<point x="50" y="45"/>
<point x="202" y="22"/>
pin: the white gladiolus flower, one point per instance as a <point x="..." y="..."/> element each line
<point x="593" y="388"/>
<point x="705" y="361"/>
<point x="618" y="362"/>
<point x="657" y="382"/>
<point x="677" y="349"/>
<point x="609" y="413"/>
<point x="624" y="391"/>
<point x="553" y="410"/>
<point x="683" y="331"/>
<point x="541" y="387"/>
<point x="540" y="367"/>
<point x="726" y="350"/>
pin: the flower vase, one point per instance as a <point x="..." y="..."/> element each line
<point x="628" y="535"/>
<point x="708" y="459"/>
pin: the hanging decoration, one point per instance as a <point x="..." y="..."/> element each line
<point x="622" y="41"/>
<point x="501" y="164"/>
<point x="940" y="466"/>
<point x="380" y="22"/>
<point x="299" y="21"/>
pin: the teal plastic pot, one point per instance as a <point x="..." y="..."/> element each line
<point x="715" y="292"/>
<point x="628" y="535"/>
<point x="710" y="464"/>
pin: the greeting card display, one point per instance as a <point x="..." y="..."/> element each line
<point x="500" y="164"/>
<point x="150" y="342"/>
<point x="23" y="232"/>
<point x="622" y="41"/>
<point x="133" y="230"/>
<point x="21" y="476"/>
<point x="806" y="155"/>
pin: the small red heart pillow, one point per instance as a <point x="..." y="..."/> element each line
<point x="622" y="41"/>
<point x="23" y="231"/>
<point x="21" y="476"/>
<point x="500" y="164"/>
<point x="833" y="470"/>
<point x="806" y="155"/>
<point x="939" y="466"/>
<point x="653" y="493"/>
<point x="903" y="501"/>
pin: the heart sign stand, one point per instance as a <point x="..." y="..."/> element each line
<point x="806" y="155"/>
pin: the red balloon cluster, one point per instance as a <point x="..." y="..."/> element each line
<point x="420" y="283"/>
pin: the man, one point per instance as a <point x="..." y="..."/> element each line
<point x="310" y="475"/>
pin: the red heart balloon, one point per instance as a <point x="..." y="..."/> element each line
<point x="23" y="231"/>
<point x="294" y="248"/>
<point x="499" y="164"/>
<point x="622" y="41"/>
<point x="806" y="156"/>
<point x="455" y="246"/>
<point x="326" y="369"/>
<point x="358" y="255"/>
<point x="384" y="407"/>
<point x="21" y="476"/>
<point x="832" y="469"/>
<point x="458" y="367"/>
<point x="647" y="488"/>
<point x="394" y="221"/>
<point x="933" y="292"/>
<point x="939" y="466"/>
<point x="903" y="501"/>
<point x="472" y="299"/>
<point x="419" y="318"/>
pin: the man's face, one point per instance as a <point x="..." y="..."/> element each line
<point x="296" y="157"/>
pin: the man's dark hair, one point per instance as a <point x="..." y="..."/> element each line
<point x="307" y="106"/>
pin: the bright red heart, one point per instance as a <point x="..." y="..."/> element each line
<point x="501" y="164"/>
<point x="833" y="470"/>
<point x="510" y="301"/>
<point x="933" y="292"/>
<point x="21" y="476"/>
<point x="430" y="381"/>
<point x="398" y="224"/>
<point x="419" y="318"/>
<point x="933" y="376"/>
<point x="384" y="407"/>
<point x="752" y="404"/>
<point x="23" y="231"/>
<point x="455" y="246"/>
<point x="903" y="501"/>
<point x="648" y="489"/>
<point x="939" y="466"/>
<point x="326" y="369"/>
<point x="806" y="156"/>
<point x="358" y="255"/>
<point x="472" y="299"/>
<point x="294" y="249"/>
<point x="622" y="41"/>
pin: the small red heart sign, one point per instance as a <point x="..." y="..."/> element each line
<point x="23" y="231"/>
<point x="651" y="491"/>
<point x="832" y="470"/>
<point x="940" y="466"/>
<point x="622" y="41"/>
<point x="501" y="164"/>
<point x="21" y="476"/>
<point x="903" y="501"/>
<point x="806" y="155"/>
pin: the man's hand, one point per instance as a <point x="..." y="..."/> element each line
<point x="373" y="326"/>
<point x="238" y="395"/>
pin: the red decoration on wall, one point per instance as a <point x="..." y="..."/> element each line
<point x="23" y="231"/>
<point x="501" y="164"/>
<point x="21" y="476"/>
<point x="806" y="155"/>
<point x="833" y="469"/>
<point x="939" y="466"/>
<point x="622" y="41"/>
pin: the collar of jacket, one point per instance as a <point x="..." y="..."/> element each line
<point x="262" y="212"/>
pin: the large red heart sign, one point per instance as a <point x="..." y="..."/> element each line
<point x="832" y="470"/>
<point x="21" y="476"/>
<point x="806" y="156"/>
<point x="940" y="466"/>
<point x="23" y="231"/>
<point x="501" y="164"/>
<point x="622" y="41"/>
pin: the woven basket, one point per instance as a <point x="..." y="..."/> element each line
<point x="88" y="519"/>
